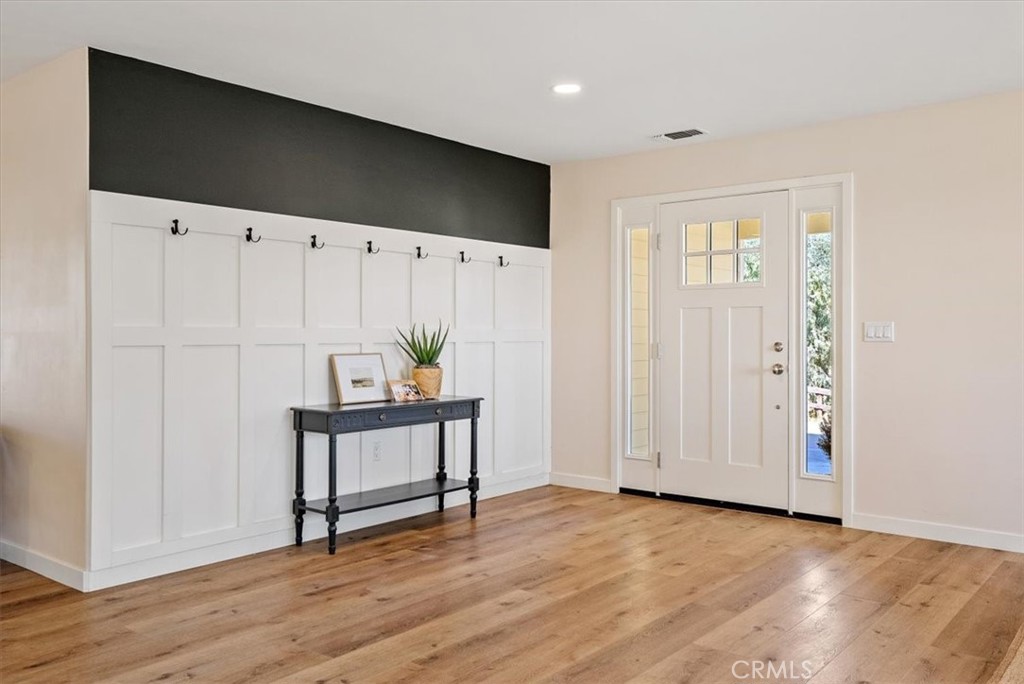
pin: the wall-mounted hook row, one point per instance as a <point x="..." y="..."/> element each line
<point x="420" y="254"/>
<point x="250" y="238"/>
<point x="502" y="263"/>
<point x="312" y="242"/>
<point x="175" y="230"/>
<point x="370" y="249"/>
<point x="463" y="259"/>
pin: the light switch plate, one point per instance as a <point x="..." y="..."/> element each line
<point x="879" y="331"/>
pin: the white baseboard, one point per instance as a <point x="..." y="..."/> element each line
<point x="954" y="534"/>
<point x="596" y="484"/>
<point x="84" y="580"/>
<point x="59" y="571"/>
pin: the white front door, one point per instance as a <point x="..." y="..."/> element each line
<point x="724" y="333"/>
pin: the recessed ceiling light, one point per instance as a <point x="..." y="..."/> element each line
<point x="567" y="88"/>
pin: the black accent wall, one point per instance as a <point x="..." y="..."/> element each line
<point x="166" y="133"/>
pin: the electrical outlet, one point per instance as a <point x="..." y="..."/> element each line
<point x="376" y="451"/>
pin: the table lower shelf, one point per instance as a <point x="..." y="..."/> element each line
<point x="361" y="501"/>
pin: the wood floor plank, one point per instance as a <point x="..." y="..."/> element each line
<point x="377" y="658"/>
<point x="567" y="630"/>
<point x="987" y="624"/>
<point x="630" y="655"/>
<point x="752" y="629"/>
<point x="549" y="584"/>
<point x="1011" y="669"/>
<point x="966" y="569"/>
<point x="894" y="642"/>
<point x="936" y="666"/>
<point x="693" y="664"/>
<point x="816" y="640"/>
<point x="765" y="579"/>
<point x="242" y="657"/>
<point x="332" y="639"/>
<point x="889" y="581"/>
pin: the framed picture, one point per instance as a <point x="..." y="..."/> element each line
<point x="405" y="390"/>
<point x="360" y="378"/>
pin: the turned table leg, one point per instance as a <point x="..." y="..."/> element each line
<point x="299" y="502"/>
<point x="441" y="474"/>
<point x="474" y="481"/>
<point x="332" y="512"/>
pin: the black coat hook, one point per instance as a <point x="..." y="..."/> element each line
<point x="463" y="259"/>
<point x="502" y="263"/>
<point x="175" y="230"/>
<point x="370" y="249"/>
<point x="249" y="238"/>
<point x="312" y="242"/>
<point x="420" y="254"/>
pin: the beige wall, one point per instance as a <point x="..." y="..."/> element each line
<point x="43" y="212"/>
<point x="938" y="241"/>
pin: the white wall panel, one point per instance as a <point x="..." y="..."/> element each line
<point x="385" y="455"/>
<point x="137" y="276"/>
<point x="385" y="290"/>
<point x="433" y="290"/>
<point x="518" y="406"/>
<point x="278" y="384"/>
<point x="423" y="451"/>
<point x="519" y="297"/>
<point x="211" y="339"/>
<point x="384" y="460"/>
<point x="423" y="438"/>
<point x="137" y="446"/>
<point x="209" y="279"/>
<point x="275" y="280"/>
<point x="397" y="365"/>
<point x="475" y="362"/>
<point x="209" y="454"/>
<point x="336" y="295"/>
<point x="474" y="295"/>
<point x="320" y="389"/>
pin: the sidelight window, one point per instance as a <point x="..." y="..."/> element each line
<point x="640" y="341"/>
<point x="818" y="335"/>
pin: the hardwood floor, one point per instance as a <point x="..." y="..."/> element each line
<point x="552" y="585"/>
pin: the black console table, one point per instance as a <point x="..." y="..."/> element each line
<point x="334" y="419"/>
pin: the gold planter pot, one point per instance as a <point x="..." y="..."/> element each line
<point x="429" y="380"/>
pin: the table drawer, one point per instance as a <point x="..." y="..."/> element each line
<point x="398" y="415"/>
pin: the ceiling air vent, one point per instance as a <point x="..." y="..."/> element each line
<point x="679" y="135"/>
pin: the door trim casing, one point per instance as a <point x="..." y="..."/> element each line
<point x="844" y="330"/>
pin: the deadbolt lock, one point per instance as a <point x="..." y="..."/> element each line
<point x="778" y="346"/>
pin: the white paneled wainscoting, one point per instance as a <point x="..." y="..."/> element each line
<point x="202" y="340"/>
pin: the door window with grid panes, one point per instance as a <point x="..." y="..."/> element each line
<point x="722" y="252"/>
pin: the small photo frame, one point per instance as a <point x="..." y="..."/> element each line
<point x="405" y="390"/>
<point x="360" y="378"/>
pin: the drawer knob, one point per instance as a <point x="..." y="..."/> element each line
<point x="383" y="417"/>
<point x="437" y="411"/>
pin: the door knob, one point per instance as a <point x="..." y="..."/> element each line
<point x="778" y="346"/>
<point x="778" y="369"/>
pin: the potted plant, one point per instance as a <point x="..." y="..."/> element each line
<point x="425" y="350"/>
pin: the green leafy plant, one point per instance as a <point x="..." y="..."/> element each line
<point x="422" y="348"/>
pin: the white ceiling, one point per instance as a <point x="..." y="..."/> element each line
<point x="480" y="72"/>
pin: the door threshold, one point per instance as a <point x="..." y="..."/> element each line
<point x="748" y="508"/>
